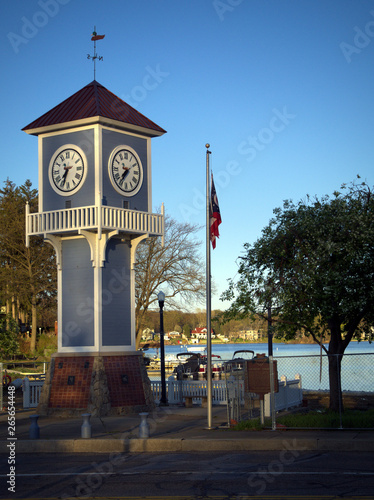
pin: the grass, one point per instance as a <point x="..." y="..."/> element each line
<point x="324" y="419"/>
<point x="20" y="372"/>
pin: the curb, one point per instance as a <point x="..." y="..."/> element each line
<point x="185" y="445"/>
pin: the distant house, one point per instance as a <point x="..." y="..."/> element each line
<point x="147" y="334"/>
<point x="249" y="335"/>
<point x="174" y="335"/>
<point x="201" y="333"/>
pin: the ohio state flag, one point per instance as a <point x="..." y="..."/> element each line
<point x="215" y="214"/>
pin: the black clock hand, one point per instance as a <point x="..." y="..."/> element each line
<point x="65" y="175"/>
<point x="125" y="173"/>
<point x="64" y="178"/>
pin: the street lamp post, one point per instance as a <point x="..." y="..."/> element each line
<point x="161" y="300"/>
<point x="270" y="332"/>
<point x="271" y="368"/>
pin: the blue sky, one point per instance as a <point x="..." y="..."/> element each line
<point x="281" y="89"/>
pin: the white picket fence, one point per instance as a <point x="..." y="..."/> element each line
<point x="178" y="390"/>
<point x="290" y="392"/>
<point x="31" y="392"/>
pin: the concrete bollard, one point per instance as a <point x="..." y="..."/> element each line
<point x="34" y="431"/>
<point x="144" y="426"/>
<point x="86" y="426"/>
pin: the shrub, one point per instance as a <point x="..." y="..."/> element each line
<point x="46" y="342"/>
<point x="9" y="341"/>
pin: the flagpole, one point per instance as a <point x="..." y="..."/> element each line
<point x="208" y="293"/>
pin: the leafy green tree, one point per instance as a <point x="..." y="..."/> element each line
<point x="314" y="263"/>
<point x="9" y="332"/>
<point x="27" y="274"/>
<point x="187" y="331"/>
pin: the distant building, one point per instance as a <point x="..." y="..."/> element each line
<point x="249" y="335"/>
<point x="201" y="333"/>
<point x="222" y="337"/>
<point x="174" y="335"/>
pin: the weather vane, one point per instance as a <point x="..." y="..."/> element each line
<point x="94" y="38"/>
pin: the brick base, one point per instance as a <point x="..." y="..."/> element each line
<point x="100" y="385"/>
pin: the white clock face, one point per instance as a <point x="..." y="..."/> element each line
<point x="67" y="170"/>
<point x="125" y="171"/>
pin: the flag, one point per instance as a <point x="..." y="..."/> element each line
<point x="95" y="37"/>
<point x="215" y="215"/>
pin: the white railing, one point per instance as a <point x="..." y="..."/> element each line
<point x="31" y="392"/>
<point x="89" y="218"/>
<point x="290" y="394"/>
<point x="179" y="390"/>
<point x="131" y="220"/>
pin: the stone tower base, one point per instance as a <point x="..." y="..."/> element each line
<point x="98" y="384"/>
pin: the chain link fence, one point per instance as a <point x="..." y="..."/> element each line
<point x="356" y="383"/>
<point x="304" y="394"/>
<point x="357" y="371"/>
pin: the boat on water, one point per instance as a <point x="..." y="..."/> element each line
<point x="186" y="365"/>
<point x="171" y="361"/>
<point x="193" y="366"/>
<point x="196" y="348"/>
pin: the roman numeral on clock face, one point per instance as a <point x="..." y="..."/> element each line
<point x="125" y="171"/>
<point x="67" y="170"/>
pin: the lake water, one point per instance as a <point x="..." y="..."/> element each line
<point x="304" y="359"/>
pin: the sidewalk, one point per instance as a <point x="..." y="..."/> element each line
<point x="172" y="429"/>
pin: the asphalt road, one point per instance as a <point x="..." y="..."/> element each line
<point x="288" y="474"/>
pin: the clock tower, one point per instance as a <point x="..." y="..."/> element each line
<point x="95" y="207"/>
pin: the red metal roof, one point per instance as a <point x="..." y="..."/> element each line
<point x="94" y="100"/>
<point x="201" y="330"/>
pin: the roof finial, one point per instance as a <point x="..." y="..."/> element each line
<point x="95" y="37"/>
